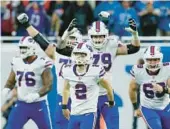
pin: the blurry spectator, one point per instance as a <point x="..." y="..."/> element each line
<point x="7" y="23"/>
<point x="164" y="19"/>
<point x="58" y="8"/>
<point x="38" y="17"/>
<point x="19" y="7"/>
<point x="51" y="6"/>
<point x="148" y="17"/>
<point x="108" y="6"/>
<point x="119" y="20"/>
<point x="82" y="11"/>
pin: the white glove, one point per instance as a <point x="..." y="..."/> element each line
<point x="5" y="95"/>
<point x="32" y="97"/>
<point x="68" y="33"/>
<point x="104" y="14"/>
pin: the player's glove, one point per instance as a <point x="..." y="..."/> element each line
<point x="72" y="24"/>
<point x="32" y="97"/>
<point x="6" y="95"/>
<point x="104" y="15"/>
<point x="110" y="103"/>
<point x="23" y="20"/>
<point x="70" y="30"/>
<point x="132" y="26"/>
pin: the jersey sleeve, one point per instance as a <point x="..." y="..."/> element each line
<point x="47" y="63"/>
<point x="13" y="63"/>
<point x="134" y="72"/>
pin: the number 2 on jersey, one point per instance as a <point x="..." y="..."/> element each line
<point x="27" y="76"/>
<point x="105" y="59"/>
<point x="80" y="91"/>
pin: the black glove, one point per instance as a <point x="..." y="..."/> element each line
<point x="72" y="24"/>
<point x="23" y="20"/>
<point x="132" y="24"/>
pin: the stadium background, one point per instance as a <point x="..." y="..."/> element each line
<point x="55" y="19"/>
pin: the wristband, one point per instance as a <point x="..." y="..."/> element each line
<point x="26" y="25"/>
<point x="135" y="106"/>
<point x="165" y="90"/>
<point x="64" y="106"/>
<point x="111" y="103"/>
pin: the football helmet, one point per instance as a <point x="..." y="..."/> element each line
<point x="27" y="47"/>
<point x="153" y="58"/>
<point x="98" y="34"/>
<point x="81" y="54"/>
<point x="74" y="38"/>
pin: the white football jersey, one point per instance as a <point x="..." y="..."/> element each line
<point x="59" y="62"/>
<point x="149" y="98"/>
<point x="28" y="76"/>
<point x="105" y="57"/>
<point x="84" y="89"/>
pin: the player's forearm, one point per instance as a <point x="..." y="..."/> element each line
<point x="32" y="31"/>
<point x="61" y="44"/>
<point x="44" y="90"/>
<point x="110" y="95"/>
<point x="133" y="96"/>
<point x="135" y="39"/>
<point x="65" y="97"/>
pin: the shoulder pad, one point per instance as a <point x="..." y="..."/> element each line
<point x="166" y="64"/>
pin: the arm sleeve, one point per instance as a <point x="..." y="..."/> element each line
<point x="64" y="51"/>
<point x="42" y="41"/>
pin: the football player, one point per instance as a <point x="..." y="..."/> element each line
<point x="105" y="51"/>
<point x="81" y="84"/>
<point x="154" y="80"/>
<point x="59" y="55"/>
<point x="33" y="78"/>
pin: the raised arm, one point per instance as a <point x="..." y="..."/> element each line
<point x="135" y="45"/>
<point x="40" y="39"/>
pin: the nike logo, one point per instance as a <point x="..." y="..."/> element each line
<point x="40" y="110"/>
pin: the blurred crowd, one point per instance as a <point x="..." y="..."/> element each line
<point x="52" y="17"/>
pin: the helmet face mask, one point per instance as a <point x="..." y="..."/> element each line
<point x="27" y="47"/>
<point x="98" y="34"/>
<point x="98" y="40"/>
<point x="153" y="58"/>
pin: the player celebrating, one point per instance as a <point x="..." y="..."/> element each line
<point x="32" y="76"/>
<point x="154" y="80"/>
<point x="81" y="81"/>
<point x="60" y="56"/>
<point x="105" y="51"/>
